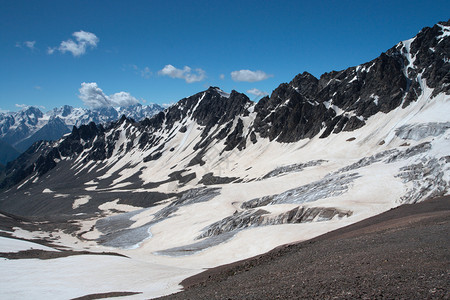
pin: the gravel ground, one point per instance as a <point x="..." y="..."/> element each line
<point x="401" y="254"/>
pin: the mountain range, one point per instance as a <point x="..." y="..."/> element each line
<point x="19" y="130"/>
<point x="217" y="178"/>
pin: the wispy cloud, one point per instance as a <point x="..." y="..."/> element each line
<point x="126" y="67"/>
<point x="94" y="97"/>
<point x="222" y="76"/>
<point x="257" y="92"/>
<point x="25" y="106"/>
<point x="21" y="105"/>
<point x="186" y="73"/>
<point x="28" y="44"/>
<point x="146" y="73"/>
<point x="37" y="87"/>
<point x="83" y="40"/>
<point x="249" y="76"/>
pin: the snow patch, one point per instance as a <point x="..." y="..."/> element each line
<point x="81" y="201"/>
<point x="445" y="32"/>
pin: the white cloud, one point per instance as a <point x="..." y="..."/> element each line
<point x="22" y="105"/>
<point x="222" y="76"/>
<point x="93" y="97"/>
<point x="30" y="44"/>
<point x="257" y="92"/>
<point x="83" y="41"/>
<point x="38" y="87"/>
<point x="185" y="73"/>
<point x="25" y="106"/>
<point x="123" y="99"/>
<point x="249" y="76"/>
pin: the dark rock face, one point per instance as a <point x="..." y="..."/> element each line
<point x="210" y="109"/>
<point x="431" y="52"/>
<point x="288" y="115"/>
<point x="302" y="108"/>
<point x="19" y="169"/>
<point x="297" y="110"/>
<point x="210" y="179"/>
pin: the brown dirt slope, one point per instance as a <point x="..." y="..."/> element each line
<point x="400" y="254"/>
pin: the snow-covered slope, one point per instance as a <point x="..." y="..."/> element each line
<point x="217" y="178"/>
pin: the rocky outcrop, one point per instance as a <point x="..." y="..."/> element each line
<point x="260" y="217"/>
<point x="210" y="179"/>
<point x="292" y="168"/>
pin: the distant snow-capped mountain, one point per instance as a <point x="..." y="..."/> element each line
<point x="21" y="129"/>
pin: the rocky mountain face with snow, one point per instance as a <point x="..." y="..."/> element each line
<point x="216" y="177"/>
<point x="21" y="129"/>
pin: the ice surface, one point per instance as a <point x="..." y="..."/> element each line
<point x="16" y="245"/>
<point x="81" y="275"/>
<point x="418" y="132"/>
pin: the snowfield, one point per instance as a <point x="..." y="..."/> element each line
<point x="76" y="276"/>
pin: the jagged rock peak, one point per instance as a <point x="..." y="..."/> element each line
<point x="305" y="84"/>
<point x="86" y="132"/>
<point x="219" y="91"/>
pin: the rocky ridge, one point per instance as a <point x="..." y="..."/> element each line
<point x="21" y="129"/>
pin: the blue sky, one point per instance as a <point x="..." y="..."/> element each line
<point x="162" y="51"/>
